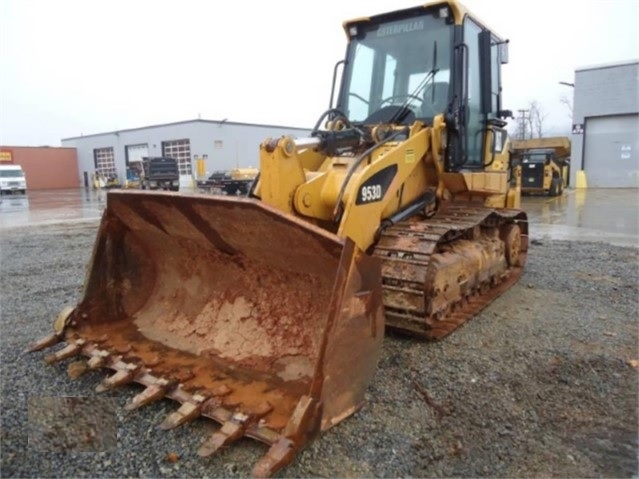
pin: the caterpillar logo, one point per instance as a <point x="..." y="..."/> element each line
<point x="400" y="28"/>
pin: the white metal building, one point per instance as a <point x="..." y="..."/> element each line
<point x="223" y="144"/>
<point x="605" y="132"/>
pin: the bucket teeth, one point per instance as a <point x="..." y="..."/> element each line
<point x="188" y="411"/>
<point x="233" y="428"/>
<point x="69" y="351"/>
<point x="231" y="431"/>
<point x="77" y="369"/>
<point x="279" y="455"/>
<point x="120" y="378"/>
<point x="304" y="420"/>
<point x="98" y="360"/>
<point x="152" y="393"/>
<point x="44" y="343"/>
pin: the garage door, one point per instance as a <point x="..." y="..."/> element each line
<point x="104" y="161"/>
<point x="136" y="152"/>
<point x="181" y="151"/>
<point x="611" y="157"/>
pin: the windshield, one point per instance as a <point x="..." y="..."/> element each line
<point x="390" y="64"/>
<point x="537" y="156"/>
<point x="11" y="174"/>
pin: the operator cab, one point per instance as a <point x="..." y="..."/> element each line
<point x="417" y="63"/>
<point x="397" y="62"/>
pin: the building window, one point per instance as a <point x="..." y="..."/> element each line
<point x="104" y="161"/>
<point x="218" y="144"/>
<point x="181" y="151"/>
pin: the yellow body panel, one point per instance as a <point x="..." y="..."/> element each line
<point x="324" y="190"/>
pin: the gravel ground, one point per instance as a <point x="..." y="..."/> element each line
<point x="63" y="424"/>
<point x="542" y="383"/>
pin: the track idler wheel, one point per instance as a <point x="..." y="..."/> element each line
<point x="511" y="236"/>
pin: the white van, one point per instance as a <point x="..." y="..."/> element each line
<point x="12" y="179"/>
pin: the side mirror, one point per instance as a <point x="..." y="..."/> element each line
<point x="505" y="114"/>
<point x="335" y="69"/>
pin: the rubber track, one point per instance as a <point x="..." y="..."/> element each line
<point x="407" y="248"/>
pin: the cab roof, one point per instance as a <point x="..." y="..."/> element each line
<point x="458" y="10"/>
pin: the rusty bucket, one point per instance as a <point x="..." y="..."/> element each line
<point x="258" y="320"/>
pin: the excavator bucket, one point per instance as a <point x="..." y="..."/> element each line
<point x="262" y="322"/>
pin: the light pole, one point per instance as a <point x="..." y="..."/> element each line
<point x="564" y="99"/>
<point x="580" y="175"/>
<point x="523" y="121"/>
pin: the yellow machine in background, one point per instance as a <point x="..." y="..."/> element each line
<point x="244" y="173"/>
<point x="134" y="172"/>
<point x="267" y="313"/>
<point x="545" y="164"/>
<point x="104" y="181"/>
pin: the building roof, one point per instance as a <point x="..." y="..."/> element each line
<point x="216" y="122"/>
<point x="608" y="65"/>
<point x="10" y="147"/>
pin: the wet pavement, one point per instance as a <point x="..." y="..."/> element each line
<point x="50" y="207"/>
<point x="603" y="215"/>
<point x="609" y="215"/>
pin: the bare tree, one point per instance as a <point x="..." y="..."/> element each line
<point x="536" y="120"/>
<point x="529" y="122"/>
<point x="567" y="102"/>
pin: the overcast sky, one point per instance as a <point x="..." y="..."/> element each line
<point x="70" y="67"/>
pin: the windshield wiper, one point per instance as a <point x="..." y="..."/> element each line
<point x="403" y="110"/>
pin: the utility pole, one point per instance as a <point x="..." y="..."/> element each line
<point x="523" y="119"/>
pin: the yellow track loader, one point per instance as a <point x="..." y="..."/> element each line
<point x="266" y="313"/>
